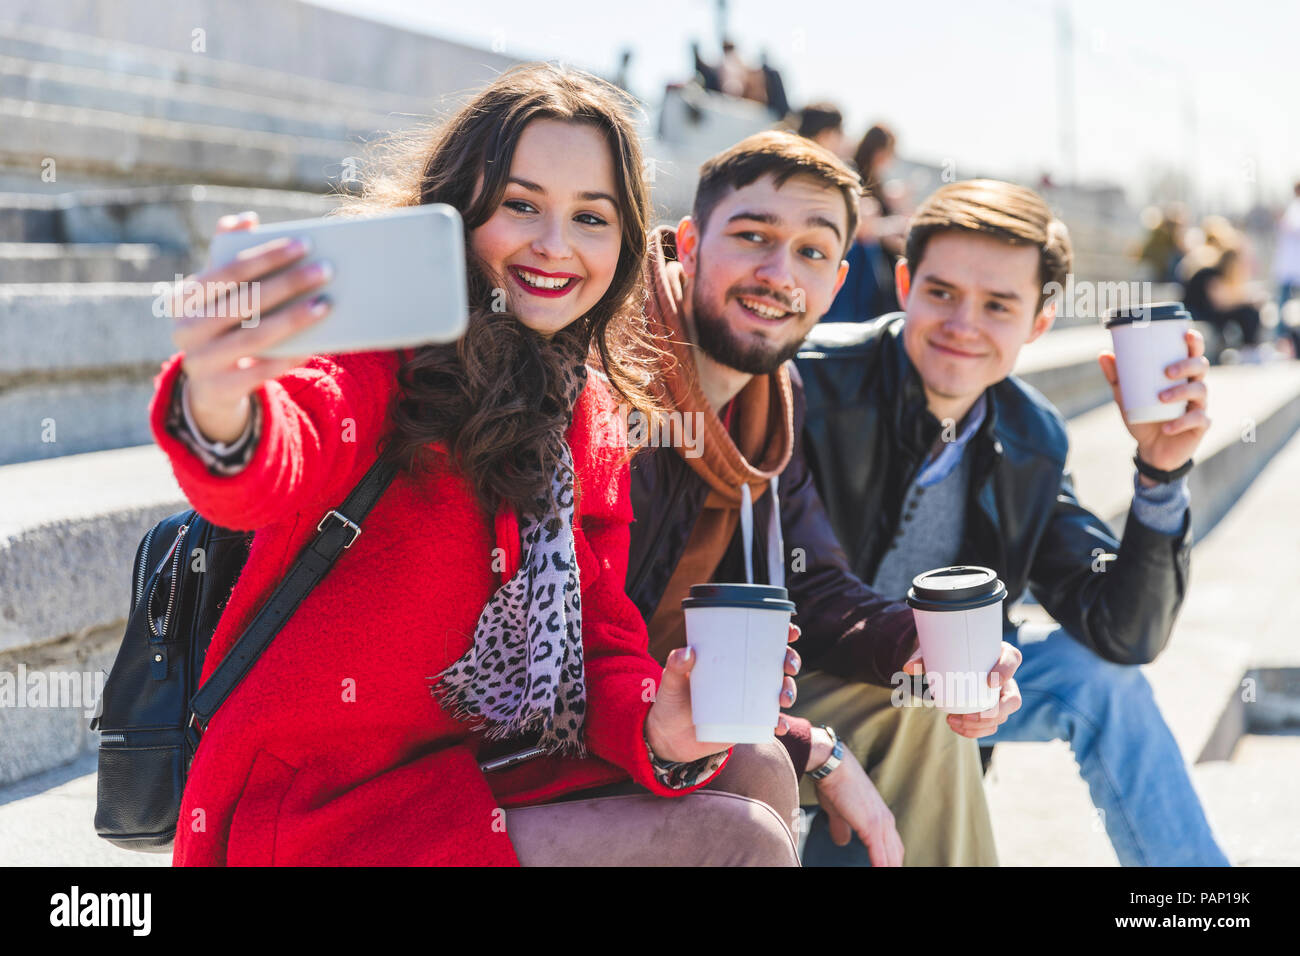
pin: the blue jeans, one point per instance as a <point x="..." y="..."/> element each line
<point x="1126" y="754"/>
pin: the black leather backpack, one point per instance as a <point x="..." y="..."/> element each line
<point x="152" y="710"/>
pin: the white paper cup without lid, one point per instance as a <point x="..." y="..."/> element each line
<point x="1142" y="351"/>
<point x="961" y="645"/>
<point x="739" y="668"/>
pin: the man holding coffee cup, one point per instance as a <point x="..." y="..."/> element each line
<point x="733" y="290"/>
<point x="929" y="453"/>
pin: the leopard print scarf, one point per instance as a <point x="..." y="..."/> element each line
<point x="524" y="672"/>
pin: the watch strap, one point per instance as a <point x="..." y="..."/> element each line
<point x="834" y="760"/>
<point x="1160" y="475"/>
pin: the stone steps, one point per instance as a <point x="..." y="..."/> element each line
<point x="78" y="368"/>
<point x="83" y="512"/>
<point x="178" y="101"/>
<point x="79" y="308"/>
<point x="75" y="50"/>
<point x="1062" y="364"/>
<point x="1237" y="616"/>
<point x="103" y="142"/>
<point x="1254" y="411"/>
<point x="174" y="216"/>
<point x="55" y="262"/>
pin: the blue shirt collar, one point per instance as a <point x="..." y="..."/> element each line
<point x="949" y="457"/>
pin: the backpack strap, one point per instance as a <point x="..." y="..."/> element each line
<point x="336" y="533"/>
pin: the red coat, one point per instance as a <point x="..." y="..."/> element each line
<point x="332" y="751"/>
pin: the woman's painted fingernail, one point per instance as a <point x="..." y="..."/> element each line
<point x="788" y="695"/>
<point x="686" y="654"/>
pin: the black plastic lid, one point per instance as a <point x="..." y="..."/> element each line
<point x="763" y="596"/>
<point x="1150" y="312"/>
<point x="957" y="588"/>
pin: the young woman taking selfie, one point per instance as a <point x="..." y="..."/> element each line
<point x="481" y="610"/>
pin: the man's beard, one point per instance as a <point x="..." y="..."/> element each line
<point x="721" y="343"/>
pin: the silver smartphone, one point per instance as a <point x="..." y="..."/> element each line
<point x="399" y="278"/>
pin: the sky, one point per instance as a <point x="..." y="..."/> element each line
<point x="1203" y="87"/>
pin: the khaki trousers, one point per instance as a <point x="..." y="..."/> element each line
<point x="928" y="775"/>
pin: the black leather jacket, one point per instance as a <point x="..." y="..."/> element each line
<point x="868" y="433"/>
<point x="834" y="608"/>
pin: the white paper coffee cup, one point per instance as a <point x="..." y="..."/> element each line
<point x="958" y="612"/>
<point x="738" y="633"/>
<point x="1146" y="339"/>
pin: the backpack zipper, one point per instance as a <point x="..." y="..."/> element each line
<point x="144" y="566"/>
<point x="112" y="738"/>
<point x="171" y="597"/>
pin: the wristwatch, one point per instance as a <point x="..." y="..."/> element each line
<point x="1160" y="475"/>
<point x="833" y="761"/>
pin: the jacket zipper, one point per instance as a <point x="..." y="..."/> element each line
<point x="171" y="597"/>
<point x="112" y="738"/>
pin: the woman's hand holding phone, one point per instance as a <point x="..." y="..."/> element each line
<point x="220" y="342"/>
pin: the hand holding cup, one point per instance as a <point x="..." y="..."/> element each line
<point x="1156" y="373"/>
<point x="670" y="725"/>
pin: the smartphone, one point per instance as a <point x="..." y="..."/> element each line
<point x="399" y="278"/>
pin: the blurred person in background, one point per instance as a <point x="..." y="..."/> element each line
<point x="707" y="73"/>
<point x="869" y="289"/>
<point x="1217" y="291"/>
<point x="733" y="73"/>
<point x="774" y="88"/>
<point x="1163" y="248"/>
<point x="1286" y="261"/>
<point x="823" y="123"/>
<point x="734" y="77"/>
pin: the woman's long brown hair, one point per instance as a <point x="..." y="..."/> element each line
<point x="495" y="397"/>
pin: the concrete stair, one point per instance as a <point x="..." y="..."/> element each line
<point x="115" y="110"/>
<point x="84" y="332"/>
<point x="1063" y="366"/>
<point x="172" y="98"/>
<point x="174" y="216"/>
<point x="1237" y="617"/>
<point x="1254" y="411"/>
<point x="78" y="370"/>
<point x="62" y="47"/>
<point x="110" y="143"/>
<point x="54" y="262"/>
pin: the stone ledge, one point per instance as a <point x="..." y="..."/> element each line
<point x="107" y="87"/>
<point x="68" y="533"/>
<point x="54" y="45"/>
<point x="98" y="141"/>
<point x="180" y="217"/>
